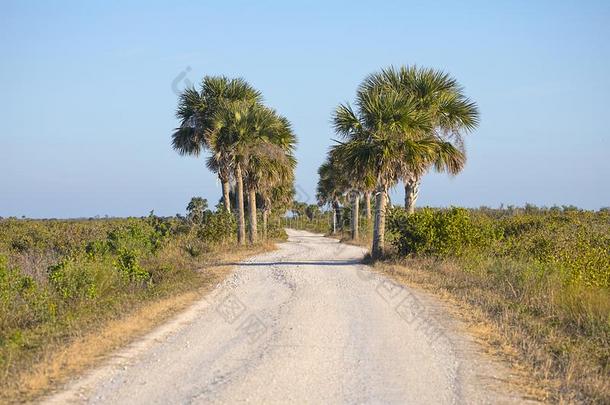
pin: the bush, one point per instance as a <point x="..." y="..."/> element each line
<point x="72" y="280"/>
<point x="136" y="235"/>
<point x="24" y="303"/>
<point x="217" y="227"/>
<point x="128" y="266"/>
<point x="575" y="244"/>
<point x="437" y="232"/>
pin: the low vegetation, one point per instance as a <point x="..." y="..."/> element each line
<point x="61" y="279"/>
<point x="542" y="276"/>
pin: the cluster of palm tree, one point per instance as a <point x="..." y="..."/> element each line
<point x="406" y="121"/>
<point x="250" y="146"/>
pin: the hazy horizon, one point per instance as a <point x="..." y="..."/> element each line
<point x="90" y="94"/>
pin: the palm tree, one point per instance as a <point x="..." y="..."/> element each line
<point x="355" y="214"/>
<point x="228" y="140"/>
<point x="270" y="162"/>
<point x="384" y="138"/>
<point x="245" y="131"/>
<point x="275" y="186"/>
<point x="332" y="184"/>
<point x="196" y="111"/>
<point x="452" y="113"/>
<point x="271" y="176"/>
<point x="352" y="187"/>
<point x="279" y="196"/>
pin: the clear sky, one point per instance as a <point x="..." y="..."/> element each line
<point x="88" y="94"/>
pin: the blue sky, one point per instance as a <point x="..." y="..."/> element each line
<point x="87" y="104"/>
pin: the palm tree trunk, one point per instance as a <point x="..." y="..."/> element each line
<point x="334" y="220"/>
<point x="224" y="174"/>
<point x="338" y="219"/>
<point x="355" y="214"/>
<point x="367" y="204"/>
<point x="411" y="193"/>
<point x="265" y="221"/>
<point x="241" y="220"/>
<point x="226" y="199"/>
<point x="253" y="234"/>
<point x="379" y="229"/>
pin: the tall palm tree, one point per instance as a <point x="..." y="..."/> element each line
<point x="270" y="162"/>
<point x="453" y="115"/>
<point x="245" y="131"/>
<point x="385" y="137"/>
<point x="273" y="178"/>
<point x="228" y="140"/>
<point x="196" y="111"/>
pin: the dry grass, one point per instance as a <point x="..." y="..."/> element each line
<point x="63" y="358"/>
<point x="563" y="366"/>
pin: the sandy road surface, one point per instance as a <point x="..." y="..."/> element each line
<point x="304" y="324"/>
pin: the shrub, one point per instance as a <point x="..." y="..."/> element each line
<point x="437" y="232"/>
<point x="572" y="243"/>
<point x="217" y="227"/>
<point x="275" y="230"/>
<point x="127" y="264"/>
<point x="134" y="236"/>
<point x="73" y="280"/>
<point x="24" y="303"/>
<point x="543" y="275"/>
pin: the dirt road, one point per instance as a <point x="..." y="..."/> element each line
<point x="304" y="324"/>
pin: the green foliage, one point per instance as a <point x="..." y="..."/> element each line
<point x="58" y="275"/>
<point x="136" y="235"/>
<point x="127" y="264"/>
<point x="217" y="227"/>
<point x="275" y="228"/>
<point x="24" y="302"/>
<point x="196" y="209"/>
<point x="192" y="249"/>
<point x="438" y="232"/>
<point x="57" y="236"/>
<point x="572" y="243"/>
<point x="321" y="223"/>
<point x="73" y="280"/>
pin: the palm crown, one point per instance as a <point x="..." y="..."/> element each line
<point x="246" y="140"/>
<point x="406" y="121"/>
<point x="451" y="113"/>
